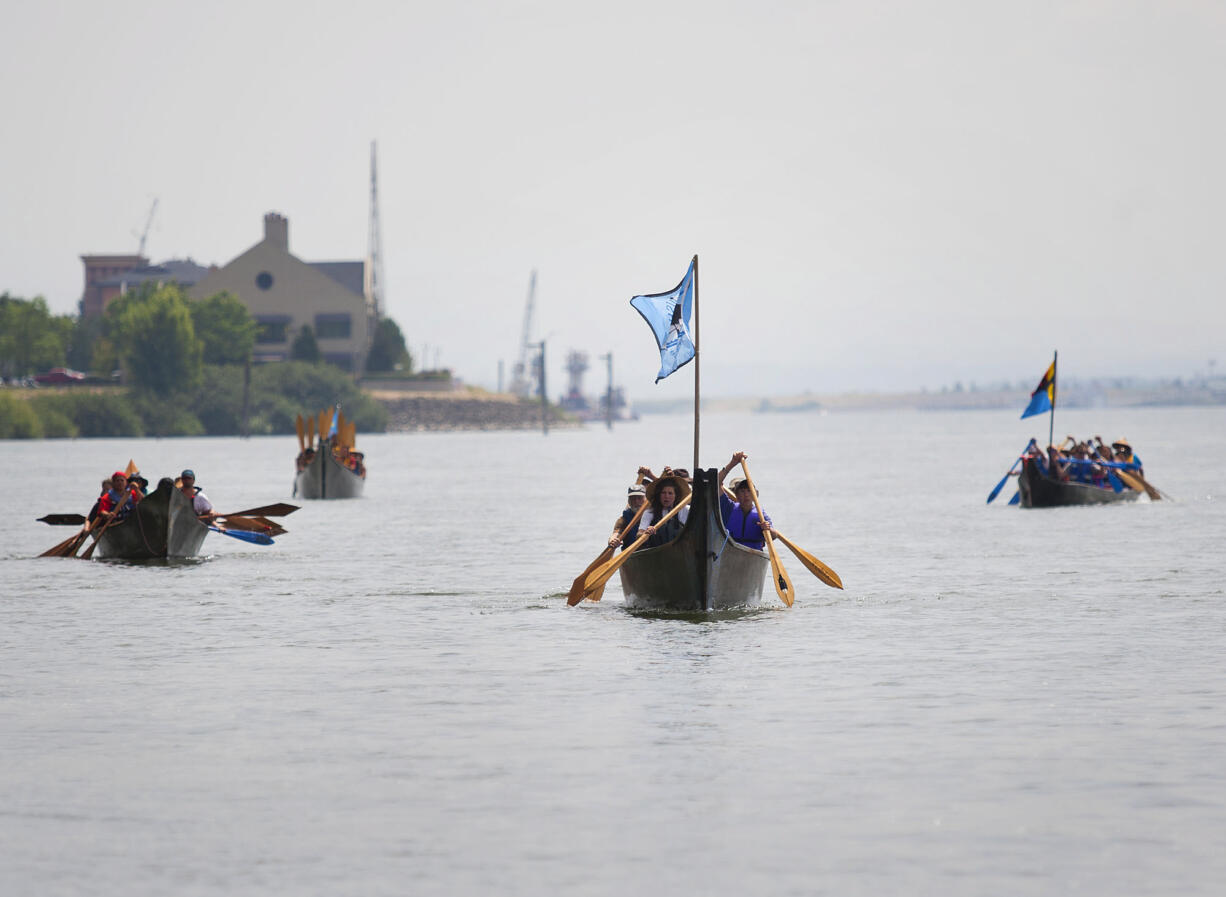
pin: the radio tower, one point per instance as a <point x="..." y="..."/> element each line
<point x="375" y="240"/>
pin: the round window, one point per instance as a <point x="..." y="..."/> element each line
<point x="263" y="280"/>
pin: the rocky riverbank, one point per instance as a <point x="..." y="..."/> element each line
<point x="468" y="410"/>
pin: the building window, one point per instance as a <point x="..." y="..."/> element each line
<point x="263" y="280"/>
<point x="333" y="326"/>
<point x="273" y="328"/>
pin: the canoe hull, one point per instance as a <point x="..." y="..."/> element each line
<point x="162" y="525"/>
<point x="325" y="477"/>
<point x="702" y="569"/>
<point x="1039" y="491"/>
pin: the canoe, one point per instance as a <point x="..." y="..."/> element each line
<point x="702" y="569"/>
<point x="325" y="477"/>
<point x="162" y="525"/>
<point x="1041" y="491"/>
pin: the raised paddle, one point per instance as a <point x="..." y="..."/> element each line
<point x="1001" y="485"/>
<point x="575" y="595"/>
<point x="600" y="576"/>
<point x="301" y="435"/>
<point x="783" y="582"/>
<point x="814" y="566"/>
<point x="63" y="519"/>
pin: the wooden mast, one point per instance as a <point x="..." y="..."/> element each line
<point x="694" y="469"/>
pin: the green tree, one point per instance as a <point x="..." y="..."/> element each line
<point x="304" y="347"/>
<point x="225" y="327"/>
<point x="387" y="349"/>
<point x="31" y="338"/>
<point x="153" y="334"/>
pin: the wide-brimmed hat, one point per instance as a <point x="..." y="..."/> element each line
<point x="1121" y="443"/>
<point x="738" y="483"/>
<point x="682" y="487"/>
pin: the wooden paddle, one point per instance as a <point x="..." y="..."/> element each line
<point x="63" y="519"/>
<point x="575" y="595"/>
<point x="816" y="567"/>
<point x="600" y="576"/>
<point x="278" y="510"/>
<point x="66" y="548"/>
<point x="301" y="434"/>
<point x="111" y="516"/>
<point x="251" y="524"/>
<point x="783" y="583"/>
<point x="1153" y="492"/>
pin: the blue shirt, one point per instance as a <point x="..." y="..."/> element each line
<point x="742" y="525"/>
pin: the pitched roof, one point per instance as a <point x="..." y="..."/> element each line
<point x="184" y="272"/>
<point x="350" y="275"/>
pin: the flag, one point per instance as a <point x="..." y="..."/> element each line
<point x="332" y="429"/>
<point x="668" y="316"/>
<point x="1044" y="394"/>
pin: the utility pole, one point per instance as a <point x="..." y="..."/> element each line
<point x="544" y="394"/>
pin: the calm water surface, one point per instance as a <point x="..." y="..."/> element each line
<point x="394" y="699"/>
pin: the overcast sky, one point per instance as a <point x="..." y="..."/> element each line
<point x="882" y="195"/>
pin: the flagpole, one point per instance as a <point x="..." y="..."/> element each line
<point x="1051" y="424"/>
<point x="694" y="469"/>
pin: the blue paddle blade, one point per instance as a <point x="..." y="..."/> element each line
<point x="1115" y="482"/>
<point x="255" y="538"/>
<point x="1017" y="498"/>
<point x="1001" y="485"/>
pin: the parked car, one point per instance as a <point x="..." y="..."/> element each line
<point x="60" y="375"/>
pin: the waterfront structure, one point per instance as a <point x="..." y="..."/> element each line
<point x="283" y="293"/>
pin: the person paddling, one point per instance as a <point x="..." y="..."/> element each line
<point x="624" y="533"/>
<point x="740" y="516"/>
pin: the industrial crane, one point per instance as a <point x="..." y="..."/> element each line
<point x="148" y="224"/>
<point x="522" y="377"/>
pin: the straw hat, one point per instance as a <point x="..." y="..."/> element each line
<point x="680" y="485"/>
<point x="1121" y="442"/>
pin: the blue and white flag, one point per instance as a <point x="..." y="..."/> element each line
<point x="332" y="429"/>
<point x="668" y="315"/>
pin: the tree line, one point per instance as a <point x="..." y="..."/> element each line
<point x="185" y="369"/>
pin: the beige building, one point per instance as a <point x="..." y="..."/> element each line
<point x="283" y="293"/>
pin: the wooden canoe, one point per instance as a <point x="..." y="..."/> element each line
<point x="325" y="477"/>
<point x="1041" y="491"/>
<point x="162" y="525"/>
<point x="702" y="569"/>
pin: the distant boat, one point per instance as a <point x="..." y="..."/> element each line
<point x="329" y="468"/>
<point x="326" y="477"/>
<point x="701" y="569"/>
<point x="1038" y="490"/>
<point x="163" y="524"/>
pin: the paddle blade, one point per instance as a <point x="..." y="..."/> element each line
<point x="278" y="510"/>
<point x="995" y="492"/>
<point x="1116" y="485"/>
<point x="66" y="548"/>
<point x="1017" y="498"/>
<point x="575" y="595"/>
<point x="812" y="564"/>
<point x="253" y="538"/>
<point x="63" y="519"/>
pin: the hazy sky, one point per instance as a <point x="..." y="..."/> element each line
<point x="881" y="195"/>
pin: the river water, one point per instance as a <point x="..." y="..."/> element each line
<point x="395" y="699"/>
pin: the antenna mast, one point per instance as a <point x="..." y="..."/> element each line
<point x="375" y="240"/>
